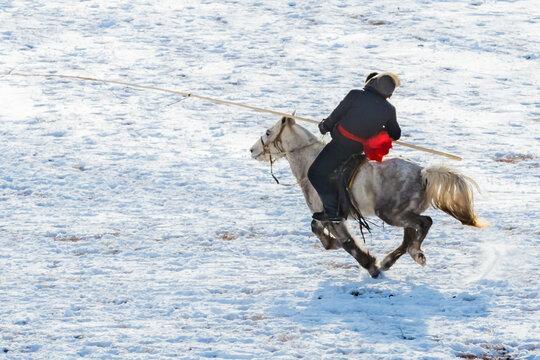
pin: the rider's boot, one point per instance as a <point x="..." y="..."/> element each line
<point x="322" y="216"/>
<point x="330" y="213"/>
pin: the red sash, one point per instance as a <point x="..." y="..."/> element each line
<point x="375" y="147"/>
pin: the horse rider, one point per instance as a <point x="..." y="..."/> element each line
<point x="364" y="119"/>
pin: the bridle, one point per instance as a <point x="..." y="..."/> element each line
<point x="278" y="144"/>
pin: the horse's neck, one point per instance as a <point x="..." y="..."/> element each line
<point x="300" y="161"/>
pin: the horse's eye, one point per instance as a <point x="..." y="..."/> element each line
<point x="268" y="132"/>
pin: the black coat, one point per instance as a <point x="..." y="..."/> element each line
<point x="365" y="113"/>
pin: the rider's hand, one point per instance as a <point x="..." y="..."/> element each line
<point x="322" y="127"/>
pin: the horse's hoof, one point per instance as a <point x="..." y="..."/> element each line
<point x="374" y="272"/>
<point x="420" y="259"/>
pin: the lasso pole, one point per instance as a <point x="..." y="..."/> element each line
<point x="416" y="147"/>
<point x="186" y="94"/>
<point x="145" y="87"/>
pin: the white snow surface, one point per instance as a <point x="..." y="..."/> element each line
<point x="133" y="226"/>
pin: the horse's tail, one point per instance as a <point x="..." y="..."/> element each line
<point x="451" y="192"/>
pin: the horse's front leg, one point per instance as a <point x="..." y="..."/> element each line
<point x="391" y="258"/>
<point x="364" y="258"/>
<point x="327" y="239"/>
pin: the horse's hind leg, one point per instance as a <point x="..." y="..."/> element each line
<point x="391" y="258"/>
<point x="414" y="248"/>
<point x="328" y="240"/>
<point x="416" y="229"/>
<point x="364" y="258"/>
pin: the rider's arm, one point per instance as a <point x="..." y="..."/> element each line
<point x="392" y="127"/>
<point x="338" y="113"/>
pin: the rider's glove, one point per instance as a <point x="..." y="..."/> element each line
<point x="322" y="127"/>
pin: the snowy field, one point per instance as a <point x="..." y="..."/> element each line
<point x="134" y="226"/>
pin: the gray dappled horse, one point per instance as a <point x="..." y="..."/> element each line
<point x="396" y="190"/>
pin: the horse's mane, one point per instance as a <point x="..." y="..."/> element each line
<point x="311" y="136"/>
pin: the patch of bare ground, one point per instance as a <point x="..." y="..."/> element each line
<point x="69" y="239"/>
<point x="513" y="159"/>
<point x="378" y="22"/>
<point x="81" y="238"/>
<point x="496" y="352"/>
<point x="370" y="22"/>
<point x="227" y="236"/>
<point x="339" y="266"/>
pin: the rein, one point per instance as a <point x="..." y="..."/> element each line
<point x="265" y="148"/>
<point x="279" y="146"/>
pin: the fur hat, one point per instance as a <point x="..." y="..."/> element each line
<point x="384" y="83"/>
<point x="373" y="74"/>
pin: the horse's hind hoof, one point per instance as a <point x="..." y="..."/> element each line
<point x="420" y="259"/>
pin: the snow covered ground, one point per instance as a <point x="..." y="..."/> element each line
<point x="133" y="226"/>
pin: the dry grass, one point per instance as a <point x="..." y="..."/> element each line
<point x="485" y="357"/>
<point x="513" y="159"/>
<point x="81" y="238"/>
<point x="69" y="239"/>
<point x="227" y="236"/>
<point x="501" y="353"/>
<point x="378" y="22"/>
<point x="340" y="266"/>
<point x="370" y="22"/>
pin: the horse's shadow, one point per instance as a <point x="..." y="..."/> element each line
<point x="383" y="311"/>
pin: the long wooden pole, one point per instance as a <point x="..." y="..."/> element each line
<point x="416" y="147"/>
<point x="145" y="87"/>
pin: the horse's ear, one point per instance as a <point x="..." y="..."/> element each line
<point x="291" y="121"/>
<point x="287" y="121"/>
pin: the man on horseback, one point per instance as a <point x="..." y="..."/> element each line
<point x="364" y="121"/>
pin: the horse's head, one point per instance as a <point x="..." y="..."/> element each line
<point x="275" y="142"/>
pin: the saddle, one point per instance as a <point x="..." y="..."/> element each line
<point x="342" y="179"/>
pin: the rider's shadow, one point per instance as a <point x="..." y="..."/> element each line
<point x="384" y="311"/>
